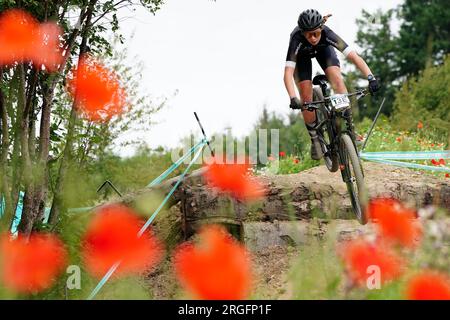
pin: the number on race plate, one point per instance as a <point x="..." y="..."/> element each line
<point x="340" y="101"/>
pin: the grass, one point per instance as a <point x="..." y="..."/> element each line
<point x="384" y="137"/>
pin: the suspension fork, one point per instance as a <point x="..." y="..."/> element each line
<point x="348" y="117"/>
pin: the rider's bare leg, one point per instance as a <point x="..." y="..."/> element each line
<point x="334" y="75"/>
<point x="306" y="95"/>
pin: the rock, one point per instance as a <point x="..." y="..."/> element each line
<point x="312" y="193"/>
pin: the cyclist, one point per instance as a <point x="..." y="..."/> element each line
<point x="312" y="39"/>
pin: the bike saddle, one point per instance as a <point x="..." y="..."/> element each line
<point x="320" y="79"/>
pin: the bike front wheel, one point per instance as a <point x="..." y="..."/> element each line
<point x="354" y="178"/>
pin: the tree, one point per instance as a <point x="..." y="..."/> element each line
<point x="31" y="97"/>
<point x="425" y="98"/>
<point x="423" y="39"/>
<point x="379" y="51"/>
<point x="424" y="35"/>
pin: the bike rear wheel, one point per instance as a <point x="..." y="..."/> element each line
<point x="354" y="178"/>
<point x="330" y="157"/>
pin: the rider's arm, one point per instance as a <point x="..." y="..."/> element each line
<point x="291" y="59"/>
<point x="289" y="81"/>
<point x="359" y="63"/>
<point x="336" y="41"/>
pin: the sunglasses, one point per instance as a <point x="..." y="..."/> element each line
<point x="311" y="34"/>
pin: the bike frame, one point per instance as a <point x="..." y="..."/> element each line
<point x="333" y="123"/>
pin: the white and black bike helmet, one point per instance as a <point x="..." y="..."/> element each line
<point x="309" y="20"/>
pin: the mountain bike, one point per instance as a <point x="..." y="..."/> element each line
<point x="338" y="140"/>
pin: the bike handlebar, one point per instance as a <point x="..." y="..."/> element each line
<point x="310" y="106"/>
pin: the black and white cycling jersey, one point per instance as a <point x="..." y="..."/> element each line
<point x="299" y="47"/>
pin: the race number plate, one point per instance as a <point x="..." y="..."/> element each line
<point x="340" y="101"/>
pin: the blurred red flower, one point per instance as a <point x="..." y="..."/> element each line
<point x="432" y="145"/>
<point x="17" y="29"/>
<point x="296" y="161"/>
<point x="447" y="175"/>
<point x="96" y="90"/>
<point x="216" y="268"/>
<point x="438" y="162"/>
<point x="398" y="139"/>
<point x="428" y="285"/>
<point x="419" y="125"/>
<point x="46" y="46"/>
<point x="358" y="255"/>
<point x="31" y="265"/>
<point x="112" y="236"/>
<point x="395" y="221"/>
<point x="282" y="154"/>
<point x="235" y="180"/>
<point x="23" y="39"/>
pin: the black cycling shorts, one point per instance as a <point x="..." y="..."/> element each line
<point x="326" y="57"/>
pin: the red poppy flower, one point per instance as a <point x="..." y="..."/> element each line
<point x="358" y="255"/>
<point x="434" y="162"/>
<point x="441" y="162"/>
<point x="399" y="139"/>
<point x="296" y="161"/>
<point x="428" y="285"/>
<point x="432" y="145"/>
<point x="396" y="222"/>
<point x="234" y="179"/>
<point x="419" y="125"/>
<point x="30" y="266"/>
<point x="282" y="154"/>
<point x="17" y="34"/>
<point x="447" y="175"/>
<point x="215" y="268"/>
<point x="96" y="90"/>
<point x="46" y="46"/>
<point x="112" y="236"/>
<point x="23" y="39"/>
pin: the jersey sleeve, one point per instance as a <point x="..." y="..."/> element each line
<point x="291" y="57"/>
<point x="336" y="41"/>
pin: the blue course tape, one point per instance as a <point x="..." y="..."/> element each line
<point x="410" y="165"/>
<point x="149" y="221"/>
<point x="155" y="181"/>
<point x="407" y="155"/>
<point x="166" y="173"/>
<point x="18" y="213"/>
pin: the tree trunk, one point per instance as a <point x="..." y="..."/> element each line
<point x="44" y="134"/>
<point x="4" y="184"/>
<point x="66" y="159"/>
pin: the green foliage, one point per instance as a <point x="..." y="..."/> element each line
<point x="423" y="39"/>
<point x="317" y="272"/>
<point x="379" y="51"/>
<point x="425" y="98"/>
<point x="290" y="164"/>
<point x="293" y="137"/>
